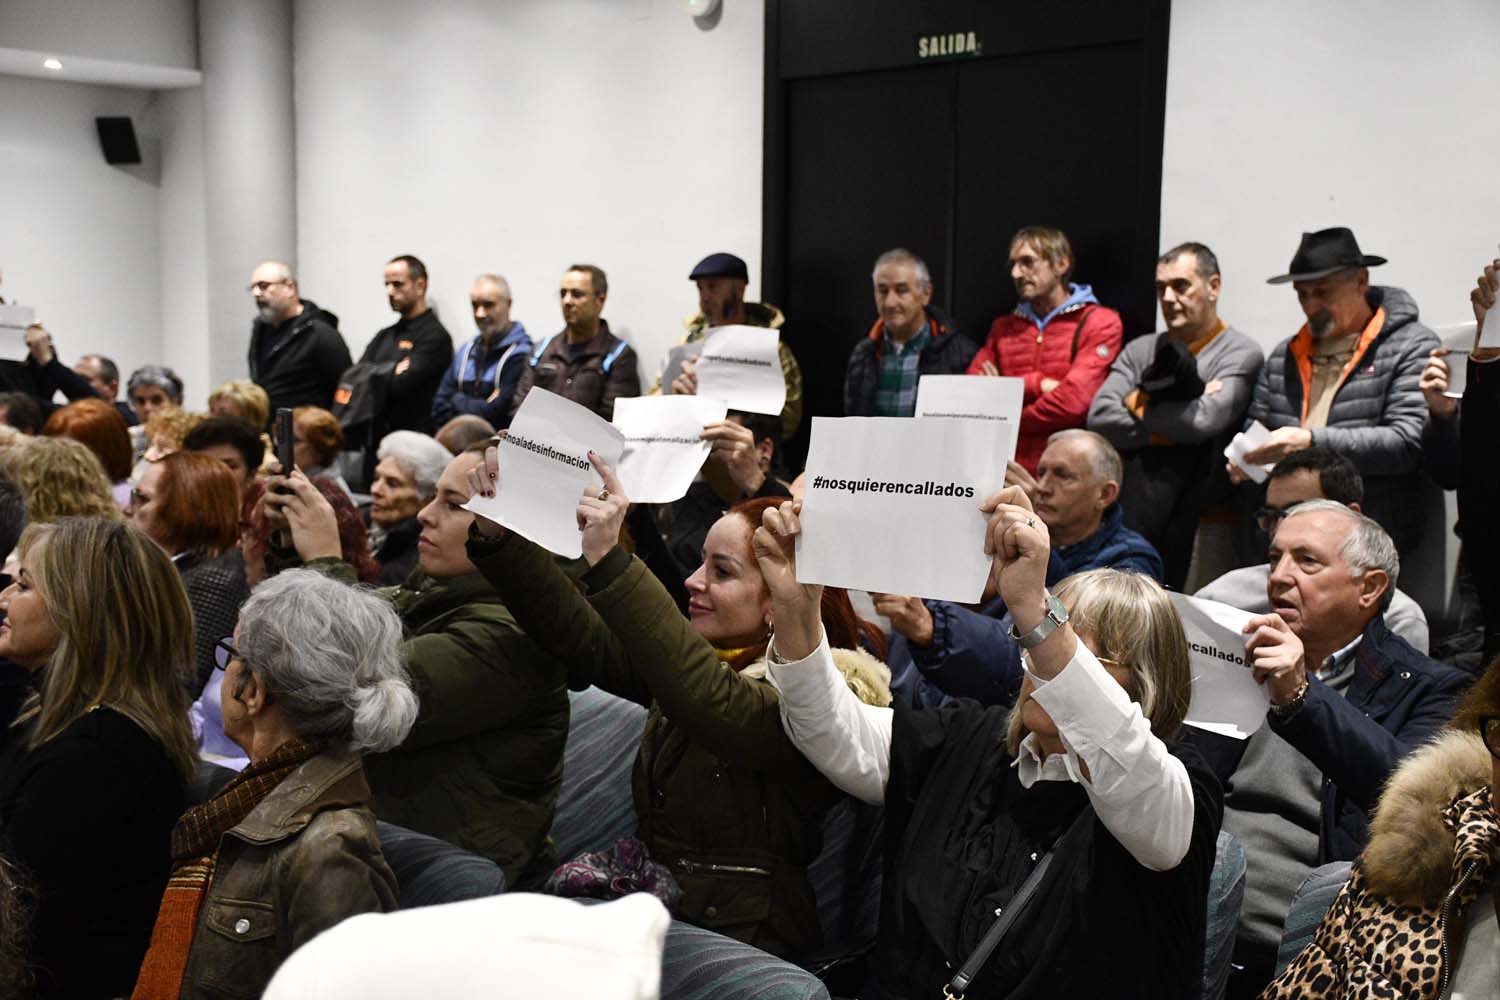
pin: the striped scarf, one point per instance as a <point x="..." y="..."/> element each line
<point x="195" y="850"/>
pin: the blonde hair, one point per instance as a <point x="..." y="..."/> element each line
<point x="1052" y="244"/>
<point x="172" y="426"/>
<point x="59" y="477"/>
<point x="127" y="630"/>
<point x="254" y="404"/>
<point x="1128" y="618"/>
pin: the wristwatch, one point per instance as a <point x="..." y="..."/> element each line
<point x="1056" y="618"/>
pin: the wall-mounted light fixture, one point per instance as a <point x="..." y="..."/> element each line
<point x="700" y="9"/>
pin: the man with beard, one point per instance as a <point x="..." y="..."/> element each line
<point x="721" y="279"/>
<point x="296" y="351"/>
<point x="483" y="376"/>
<point x="1058" y="338"/>
<point x="417" y="345"/>
<point x="1349" y="379"/>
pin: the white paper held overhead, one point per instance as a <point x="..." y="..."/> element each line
<point x="675" y="357"/>
<point x="975" y="397"/>
<point x="544" y="467"/>
<point x="742" y="366"/>
<point x="1457" y="340"/>
<point x="1226" y="699"/>
<point x="892" y="504"/>
<point x="663" y="450"/>
<point x="1248" y="440"/>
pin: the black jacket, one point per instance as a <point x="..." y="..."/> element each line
<point x="949" y="353"/>
<point x="89" y="816"/>
<point x="398" y="553"/>
<point x="216" y="589"/>
<point x="603" y="370"/>
<point x="426" y="343"/>
<point x="303" y="365"/>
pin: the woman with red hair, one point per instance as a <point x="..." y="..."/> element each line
<point x="725" y="802"/>
<point x="100" y="426"/>
<point x="189" y="504"/>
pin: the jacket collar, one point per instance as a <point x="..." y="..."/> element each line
<point x="756" y="314"/>
<point x="557" y="346"/>
<point x="1078" y="297"/>
<point x="1082" y="552"/>
<point x="422" y="598"/>
<point x="936" y="325"/>
<point x="1302" y="351"/>
<point x="514" y="335"/>
<point x="333" y="779"/>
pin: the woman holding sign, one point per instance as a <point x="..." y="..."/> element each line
<point x="1061" y="848"/>
<point x="725" y="801"/>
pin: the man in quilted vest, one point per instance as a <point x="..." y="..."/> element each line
<point x="1348" y="380"/>
<point x="1059" y="339"/>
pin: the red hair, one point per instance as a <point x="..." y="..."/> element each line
<point x="200" y="503"/>
<point x="845" y="628"/>
<point x="354" y="541"/>
<point x="99" y="425"/>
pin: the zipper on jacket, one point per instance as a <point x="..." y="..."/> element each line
<point x="694" y="867"/>
<point x="1443" y="915"/>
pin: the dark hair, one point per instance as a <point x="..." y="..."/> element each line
<point x="762" y="425"/>
<point x="597" y="279"/>
<point x="414" y="267"/>
<point x="1207" y="264"/>
<point x="12" y="515"/>
<point x="108" y="370"/>
<point x="99" y="425"/>
<point x="464" y="430"/>
<point x="200" y="503"/>
<point x="1337" y="477"/>
<point x="354" y="541"/>
<point x="233" y="431"/>
<point x="22" y="412"/>
<point x="160" y="376"/>
<point x="846" y="630"/>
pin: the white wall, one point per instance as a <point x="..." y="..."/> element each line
<point x="519" y="138"/>
<point x="156" y="32"/>
<point x="1285" y="116"/>
<point x="185" y="341"/>
<point x="78" y="237"/>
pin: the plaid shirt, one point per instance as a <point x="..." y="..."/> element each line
<point x="896" y="392"/>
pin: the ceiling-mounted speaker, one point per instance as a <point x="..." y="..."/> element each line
<point x="117" y="139"/>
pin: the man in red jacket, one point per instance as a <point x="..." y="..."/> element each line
<point x="1059" y="339"/>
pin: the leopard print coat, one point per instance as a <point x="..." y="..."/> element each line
<point x="1432" y="849"/>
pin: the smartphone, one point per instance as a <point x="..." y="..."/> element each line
<point x="285" y="441"/>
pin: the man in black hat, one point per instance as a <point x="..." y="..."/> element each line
<point x="1348" y="380"/>
<point x="721" y="279"/>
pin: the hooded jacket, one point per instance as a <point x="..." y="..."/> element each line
<point x="477" y="375"/>
<point x="723" y="797"/>
<point x="1075" y="344"/>
<point x="1377" y="413"/>
<point x="303" y="367"/>
<point x="1433" y="843"/>
<point x="948" y="353"/>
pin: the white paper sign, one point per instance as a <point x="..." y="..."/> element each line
<point x="892" y="504"/>
<point x="741" y="365"/>
<point x="663" y="451"/>
<point x="544" y="467"/>
<point x="1226" y="698"/>
<point x="1246" y="441"/>
<point x="1490" y="336"/>
<point x="675" y="357"/>
<point x="975" y="397"/>
<point x="1458" y="340"/>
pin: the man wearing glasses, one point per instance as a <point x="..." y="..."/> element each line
<point x="1310" y="474"/>
<point x="296" y="351"/>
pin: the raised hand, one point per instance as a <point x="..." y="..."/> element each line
<point x="733" y="448"/>
<point x="295" y="502"/>
<point x="796" y="608"/>
<point x="908" y="615"/>
<point x="481" y="482"/>
<point x="1434" y="385"/>
<point x="1021" y="546"/>
<point x="601" y="512"/>
<point x="686" y="382"/>
<point x="1277" y="657"/>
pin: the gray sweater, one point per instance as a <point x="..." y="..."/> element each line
<point x="1232" y="358"/>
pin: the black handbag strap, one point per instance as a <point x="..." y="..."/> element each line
<point x="1004" y="918"/>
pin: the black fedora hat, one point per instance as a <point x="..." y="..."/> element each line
<point x="1323" y="253"/>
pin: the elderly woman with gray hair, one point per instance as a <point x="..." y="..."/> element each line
<point x="313" y="679"/>
<point x="1062" y="847"/>
<point x="405" y="482"/>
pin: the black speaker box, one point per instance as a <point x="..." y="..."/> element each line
<point x="117" y="138"/>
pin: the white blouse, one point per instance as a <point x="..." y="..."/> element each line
<point x="1140" y="792"/>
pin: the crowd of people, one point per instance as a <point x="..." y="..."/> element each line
<point x="226" y="670"/>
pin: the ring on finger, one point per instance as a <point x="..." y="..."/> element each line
<point x="1031" y="522"/>
<point x="604" y="494"/>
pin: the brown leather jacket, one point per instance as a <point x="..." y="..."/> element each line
<point x="303" y="860"/>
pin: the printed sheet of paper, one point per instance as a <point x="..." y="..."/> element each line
<point x="741" y="365"/>
<point x="892" y="504"/>
<point x="662" y="449"/>
<point x="1459" y="340"/>
<point x="1246" y="441"/>
<point x="975" y="397"/>
<point x="675" y="358"/>
<point x="1490" y="335"/>
<point x="1226" y="698"/>
<point x="544" y="466"/>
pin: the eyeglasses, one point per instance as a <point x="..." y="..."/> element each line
<point x="1268" y="518"/>
<point x="256" y="287"/>
<point x="224" y="651"/>
<point x="1489" y="731"/>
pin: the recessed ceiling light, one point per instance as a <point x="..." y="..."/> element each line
<point x="52" y="64"/>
